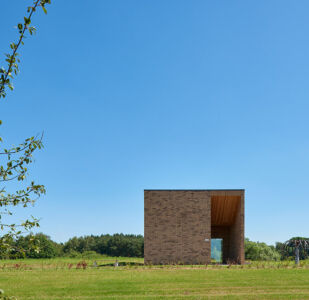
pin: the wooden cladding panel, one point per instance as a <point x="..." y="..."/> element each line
<point x="224" y="209"/>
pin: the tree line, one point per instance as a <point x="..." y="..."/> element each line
<point x="262" y="251"/>
<point x="127" y="245"/>
<point x="41" y="246"/>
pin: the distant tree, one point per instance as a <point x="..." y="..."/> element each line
<point x="46" y="248"/>
<point x="16" y="159"/>
<point x="72" y="244"/>
<point x="113" y="245"/>
<point x="260" y="251"/>
<point x="298" y="245"/>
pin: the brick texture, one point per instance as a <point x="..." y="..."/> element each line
<point x="178" y="226"/>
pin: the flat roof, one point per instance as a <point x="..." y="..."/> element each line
<point x="194" y="190"/>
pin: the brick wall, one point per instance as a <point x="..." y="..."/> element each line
<point x="176" y="226"/>
<point x="177" y="222"/>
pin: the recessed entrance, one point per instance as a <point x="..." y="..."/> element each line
<point x="225" y="219"/>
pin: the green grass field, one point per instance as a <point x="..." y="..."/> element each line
<point x="60" y="279"/>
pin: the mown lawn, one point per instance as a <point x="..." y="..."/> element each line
<point x="56" y="279"/>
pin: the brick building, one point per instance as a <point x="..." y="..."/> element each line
<point x="179" y="225"/>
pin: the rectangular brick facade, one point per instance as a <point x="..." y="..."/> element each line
<point x="179" y="225"/>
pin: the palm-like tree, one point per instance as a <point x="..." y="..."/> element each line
<point x="297" y="244"/>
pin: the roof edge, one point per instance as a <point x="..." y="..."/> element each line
<point x="194" y="190"/>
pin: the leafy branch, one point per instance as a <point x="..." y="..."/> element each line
<point x="11" y="59"/>
<point x="16" y="159"/>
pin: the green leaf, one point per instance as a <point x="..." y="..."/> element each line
<point x="44" y="9"/>
<point x="27" y="20"/>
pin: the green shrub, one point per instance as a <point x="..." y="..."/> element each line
<point x="90" y="254"/>
<point x="73" y="254"/>
<point x="260" y="251"/>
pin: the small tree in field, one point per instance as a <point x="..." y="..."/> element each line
<point x="297" y="244"/>
<point x="15" y="160"/>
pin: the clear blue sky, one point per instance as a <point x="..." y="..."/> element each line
<point x="136" y="95"/>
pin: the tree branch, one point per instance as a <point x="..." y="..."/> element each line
<point x="12" y="59"/>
